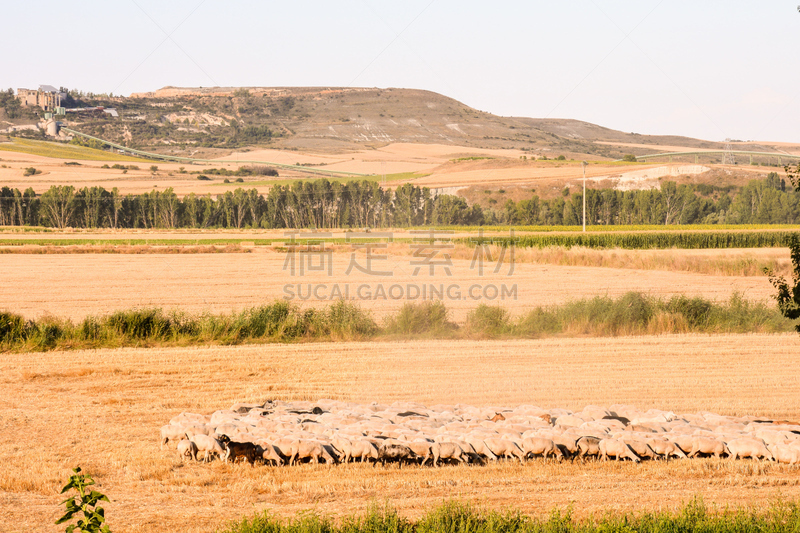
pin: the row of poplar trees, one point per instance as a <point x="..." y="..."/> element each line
<point x="359" y="204"/>
<point x="304" y="204"/>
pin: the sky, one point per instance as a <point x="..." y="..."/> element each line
<point x="708" y="69"/>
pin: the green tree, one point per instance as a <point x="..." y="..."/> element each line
<point x="788" y="298"/>
<point x="794" y="175"/>
<point x="58" y="205"/>
<point x="10" y="103"/>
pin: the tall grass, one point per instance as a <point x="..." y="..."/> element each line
<point x="635" y="313"/>
<point x="457" y="517"/>
<point x="630" y="314"/>
<point x="277" y="322"/>
<point x="429" y="318"/>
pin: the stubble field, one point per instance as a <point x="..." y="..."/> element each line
<point x="445" y="167"/>
<point x="78" y="285"/>
<point x="102" y="410"/>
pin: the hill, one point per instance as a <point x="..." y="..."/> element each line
<point x="213" y="121"/>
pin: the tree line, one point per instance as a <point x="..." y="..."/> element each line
<point x="765" y="201"/>
<point x="358" y="204"/>
<point x="304" y="204"/>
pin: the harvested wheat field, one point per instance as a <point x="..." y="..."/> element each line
<point x="102" y="410"/>
<point x="95" y="284"/>
<point x="434" y="166"/>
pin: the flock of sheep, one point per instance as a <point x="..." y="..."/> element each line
<point x="338" y="432"/>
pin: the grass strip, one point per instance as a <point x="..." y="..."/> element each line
<point x="63" y="151"/>
<point x="458" y="517"/>
<point x="282" y="321"/>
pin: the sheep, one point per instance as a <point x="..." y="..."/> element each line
<point x="312" y="450"/>
<point x="617" y="448"/>
<point x="639" y="447"/>
<point x="422" y="449"/>
<point x="171" y="432"/>
<point x="480" y="448"/>
<point x="395" y="452"/>
<point x="504" y="448"/>
<point x="708" y="446"/>
<point x="187" y="448"/>
<point x="446" y="450"/>
<point x="665" y="448"/>
<point x="208" y="445"/>
<point x="331" y="431"/>
<point x="752" y="448"/>
<point x="541" y="446"/>
<point x="588" y="447"/>
<point x="783" y="453"/>
<point x="268" y="453"/>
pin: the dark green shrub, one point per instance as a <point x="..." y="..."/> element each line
<point x="140" y="324"/>
<point x="12" y="327"/>
<point x="91" y="329"/>
<point x="46" y="333"/>
<point x="696" y="311"/>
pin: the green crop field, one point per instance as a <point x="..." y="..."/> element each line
<point x="621" y="228"/>
<point x="650" y="240"/>
<point x="63" y="151"/>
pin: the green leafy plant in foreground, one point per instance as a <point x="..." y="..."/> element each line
<point x="86" y="502"/>
<point x="788" y="297"/>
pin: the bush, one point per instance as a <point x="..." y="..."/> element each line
<point x="347" y="321"/>
<point x="629" y="158"/>
<point x="425" y="318"/>
<point x="12" y="327"/>
<point x="260" y="170"/>
<point x="46" y="333"/>
<point x="202" y="177"/>
<point x="488" y="321"/>
<point x="561" y="158"/>
<point x="30" y="171"/>
<point x="140" y="324"/>
<point x="276" y="320"/>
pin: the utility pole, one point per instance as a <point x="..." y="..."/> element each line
<point x="583" y="164"/>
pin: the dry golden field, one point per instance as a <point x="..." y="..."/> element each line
<point x="102" y="410"/>
<point x="434" y="166"/>
<point x="77" y="285"/>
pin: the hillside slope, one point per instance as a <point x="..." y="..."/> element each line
<point x="211" y="121"/>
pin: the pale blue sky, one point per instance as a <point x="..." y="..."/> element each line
<point x="711" y="69"/>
